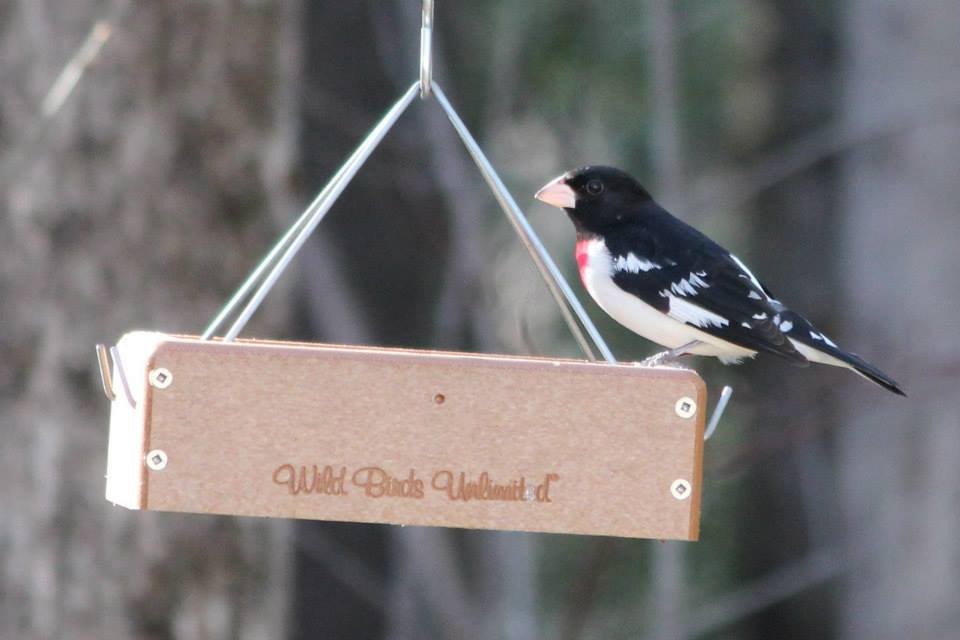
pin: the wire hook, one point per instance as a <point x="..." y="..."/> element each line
<point x="106" y="378"/>
<point x="718" y="412"/>
<point x="426" y="50"/>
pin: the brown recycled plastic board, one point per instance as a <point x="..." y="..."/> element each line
<point x="364" y="434"/>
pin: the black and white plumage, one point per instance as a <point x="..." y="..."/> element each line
<point x="666" y="281"/>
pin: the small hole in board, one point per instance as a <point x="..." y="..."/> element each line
<point x="439" y="398"/>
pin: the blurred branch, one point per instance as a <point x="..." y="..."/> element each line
<point x="730" y="189"/>
<point x="36" y="134"/>
<point x="67" y="81"/>
<point x="781" y="584"/>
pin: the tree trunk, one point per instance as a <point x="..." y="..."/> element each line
<point x="788" y="519"/>
<point x="899" y="456"/>
<point x="667" y="572"/>
<point x="136" y="201"/>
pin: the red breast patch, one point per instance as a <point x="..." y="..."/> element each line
<point x="582" y="257"/>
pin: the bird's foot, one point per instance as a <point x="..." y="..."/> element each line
<point x="655" y="360"/>
<point x="668" y="357"/>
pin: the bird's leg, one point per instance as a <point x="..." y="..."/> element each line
<point x="667" y="356"/>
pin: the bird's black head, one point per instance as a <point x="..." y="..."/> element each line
<point x="597" y="197"/>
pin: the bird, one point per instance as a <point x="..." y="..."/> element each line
<point x="671" y="284"/>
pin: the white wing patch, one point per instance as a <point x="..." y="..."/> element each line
<point x="686" y="286"/>
<point x="785" y="326"/>
<point x="686" y="311"/>
<point x="633" y="264"/>
<point x="823" y="338"/>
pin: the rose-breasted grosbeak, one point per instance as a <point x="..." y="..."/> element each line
<point x="666" y="281"/>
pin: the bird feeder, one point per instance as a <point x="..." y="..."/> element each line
<point x="222" y="425"/>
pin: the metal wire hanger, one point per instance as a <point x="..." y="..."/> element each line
<point x="262" y="279"/>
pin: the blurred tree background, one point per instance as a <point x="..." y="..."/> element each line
<point x="151" y="151"/>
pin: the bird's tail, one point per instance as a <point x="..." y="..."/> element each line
<point x="868" y="371"/>
<point x="819" y="348"/>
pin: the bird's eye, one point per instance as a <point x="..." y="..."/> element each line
<point x="594" y="187"/>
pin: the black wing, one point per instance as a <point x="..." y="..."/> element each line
<point x="684" y="274"/>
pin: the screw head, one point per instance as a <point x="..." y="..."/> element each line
<point x="160" y="378"/>
<point x="681" y="489"/>
<point x="685" y="407"/>
<point x="157" y="459"/>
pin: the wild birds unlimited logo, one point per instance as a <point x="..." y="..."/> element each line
<point x="376" y="482"/>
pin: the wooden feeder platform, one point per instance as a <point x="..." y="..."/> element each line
<point x="254" y="428"/>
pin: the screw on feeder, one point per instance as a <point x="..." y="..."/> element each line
<point x="685" y="407"/>
<point x="681" y="489"/>
<point x="157" y="459"/>
<point x="160" y="378"/>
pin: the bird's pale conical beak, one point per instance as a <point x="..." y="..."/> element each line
<point x="558" y="193"/>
